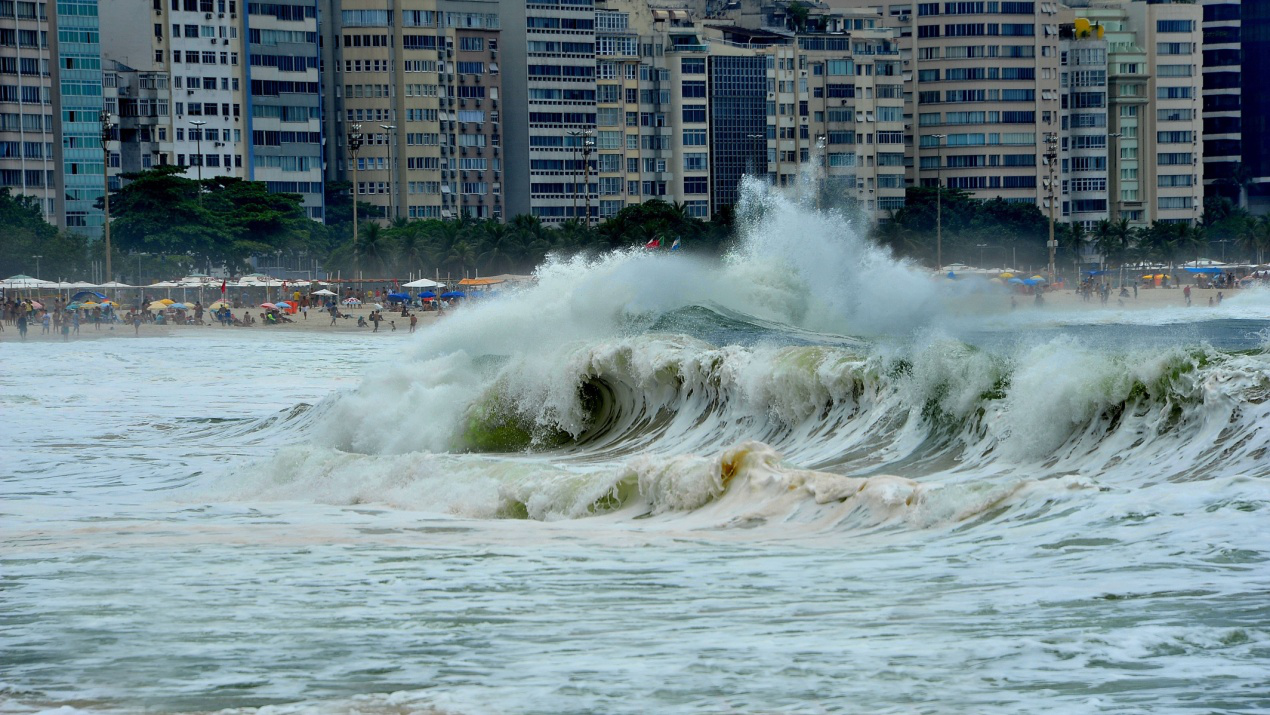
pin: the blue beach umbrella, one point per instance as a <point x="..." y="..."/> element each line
<point x="427" y="294"/>
<point x="454" y="294"/>
<point x="1016" y="281"/>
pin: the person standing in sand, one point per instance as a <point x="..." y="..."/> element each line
<point x="136" y="323"/>
<point x="414" y="320"/>
<point x="1186" y="293"/>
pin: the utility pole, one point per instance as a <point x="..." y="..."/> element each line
<point x="1051" y="158"/>
<point x="105" y="186"/>
<point x="392" y="172"/>
<point x="587" y="143"/>
<point x="355" y="139"/>
<point x="198" y="144"/>
<point x="939" y="202"/>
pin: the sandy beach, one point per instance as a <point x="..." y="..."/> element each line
<point x="320" y="321"/>
<point x="317" y="322"/>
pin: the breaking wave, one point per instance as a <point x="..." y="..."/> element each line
<point x="810" y="376"/>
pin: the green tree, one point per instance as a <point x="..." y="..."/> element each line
<point x="25" y="234"/>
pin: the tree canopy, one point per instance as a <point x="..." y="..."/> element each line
<point x="221" y="221"/>
<point x="26" y="235"/>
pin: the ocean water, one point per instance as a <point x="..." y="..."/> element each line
<point x="807" y="480"/>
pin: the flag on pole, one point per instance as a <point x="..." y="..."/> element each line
<point x="222" y="288"/>
<point x="653" y="244"/>
<point x="675" y="246"/>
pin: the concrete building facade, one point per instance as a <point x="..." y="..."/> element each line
<point x="284" y="100"/>
<point x="30" y="148"/>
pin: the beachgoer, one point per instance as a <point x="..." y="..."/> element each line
<point x="414" y="320"/>
<point x="66" y="331"/>
<point x="1186" y="293"/>
<point x="22" y="324"/>
<point x="1219" y="297"/>
<point x="392" y="324"/>
<point x="136" y="324"/>
<point x="1039" y="299"/>
<point x="45" y="320"/>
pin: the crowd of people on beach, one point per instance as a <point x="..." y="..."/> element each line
<point x="59" y="316"/>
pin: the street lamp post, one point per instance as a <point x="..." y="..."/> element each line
<point x="37" y="266"/>
<point x="392" y="173"/>
<point x="585" y="136"/>
<point x="355" y="139"/>
<point x="198" y="146"/>
<point x="1113" y="176"/>
<point x="1051" y="157"/>
<point x="939" y="201"/>
<point x="105" y="187"/>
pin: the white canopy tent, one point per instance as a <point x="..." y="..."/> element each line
<point x="422" y="283"/>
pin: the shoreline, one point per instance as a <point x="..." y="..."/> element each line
<point x="993" y="302"/>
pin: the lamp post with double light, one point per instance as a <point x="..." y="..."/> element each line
<point x="198" y="146"/>
<point x="1051" y="157"/>
<point x="105" y="185"/>
<point x="355" y="140"/>
<point x="392" y="172"/>
<point x="939" y="201"/>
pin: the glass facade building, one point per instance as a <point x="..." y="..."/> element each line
<point x="738" y="124"/>
<point x="79" y="83"/>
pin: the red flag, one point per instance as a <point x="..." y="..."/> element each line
<point x="222" y="286"/>
<point x="653" y="244"/>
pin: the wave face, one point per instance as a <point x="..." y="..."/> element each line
<point x="808" y="370"/>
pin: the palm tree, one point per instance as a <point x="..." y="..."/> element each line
<point x="503" y="250"/>
<point x="374" y="250"/>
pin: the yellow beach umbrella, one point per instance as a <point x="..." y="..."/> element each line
<point x="166" y="301"/>
<point x="1006" y="274"/>
<point x="218" y="305"/>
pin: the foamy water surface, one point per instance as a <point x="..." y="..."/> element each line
<point x="651" y="484"/>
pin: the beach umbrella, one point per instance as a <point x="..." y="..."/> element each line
<point x="377" y="306"/>
<point x="87" y="295"/>
<point x="1032" y="282"/>
<point x="178" y="306"/>
<point x="218" y="305"/>
<point x="1006" y="274"/>
<point x="454" y="294"/>
<point x="427" y="294"/>
<point x="352" y="301"/>
<point x="283" y="304"/>
<point x="421" y="283"/>
<point x="166" y="301"/>
<point x="89" y="304"/>
<point x="1015" y="281"/>
<point x="268" y="305"/>
<point x="1039" y="278"/>
<point x="37" y="305"/>
<point x="158" y="307"/>
<point x="323" y="292"/>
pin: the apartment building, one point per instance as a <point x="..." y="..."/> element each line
<point x="1172" y="36"/>
<point x="284" y="101"/>
<point x="986" y="84"/>
<point x="140" y="107"/>
<point x="79" y="88"/>
<point x="1255" y="33"/>
<point x="550" y="108"/>
<point x="1084" y="138"/>
<point x="1128" y="165"/>
<point x="180" y="96"/>
<point x="833" y="94"/>
<point x="1223" y="81"/>
<point x="421" y="79"/>
<point x="30" y="152"/>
